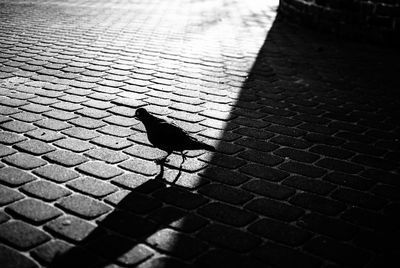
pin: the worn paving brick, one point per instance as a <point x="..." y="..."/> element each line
<point x="81" y="133"/>
<point x="15" y="177"/>
<point x="12" y="258"/>
<point x="225" y="193"/>
<point x="309" y="184"/>
<point x="269" y="189"/>
<point x="282" y="256"/>
<point x="358" y="198"/>
<point x="45" y="135"/>
<point x="352" y="181"/>
<point x="21" y="235"/>
<point x="178" y="219"/>
<point x="45" y="190"/>
<point x="72" y="228"/>
<point x="56" y="173"/>
<point x="318" y="203"/>
<point x="52" y="124"/>
<point x="302" y="169"/>
<point x="10" y="138"/>
<point x="128" y="252"/>
<point x="8" y="195"/>
<point x="261" y="158"/>
<point x="91" y="186"/>
<point x="186" y="248"/>
<point x="226" y="214"/>
<point x="100" y="170"/>
<point x="24" y="161"/>
<point x="17" y="126"/>
<point x="229" y="237"/>
<point x="47" y="252"/>
<point x="328" y="226"/>
<point x="74" y="145"/>
<point x="135" y="202"/>
<point x="66" y="158"/>
<point x="280" y="232"/>
<point x="140" y="166"/>
<point x="274" y="209"/>
<point x="180" y="198"/>
<point x="137" y="182"/>
<point x="34" y="211"/>
<point x="337" y="251"/>
<point x="263" y="172"/>
<point x="339" y="165"/>
<point x="35" y="147"/>
<point x="111" y="142"/>
<point x="83" y="206"/>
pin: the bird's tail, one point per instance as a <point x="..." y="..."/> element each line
<point x="203" y="146"/>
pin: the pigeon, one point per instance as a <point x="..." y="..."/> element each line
<point x="168" y="136"/>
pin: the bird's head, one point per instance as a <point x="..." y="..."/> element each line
<point x="141" y="114"/>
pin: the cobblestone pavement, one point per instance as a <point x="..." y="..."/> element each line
<point x="306" y="126"/>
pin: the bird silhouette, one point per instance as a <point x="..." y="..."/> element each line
<point x="168" y="137"/>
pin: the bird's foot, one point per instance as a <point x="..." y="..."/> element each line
<point x="161" y="161"/>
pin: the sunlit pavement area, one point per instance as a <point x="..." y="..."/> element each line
<point x="306" y="127"/>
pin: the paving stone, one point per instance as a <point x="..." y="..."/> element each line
<point x="352" y="181"/>
<point x="8" y="195"/>
<point x="339" y="165"/>
<point x="60" y="115"/>
<point x="137" y="182"/>
<point x="48" y="252"/>
<point x="228" y="237"/>
<point x="163" y="262"/>
<point x="121" y="250"/>
<point x="52" y="124"/>
<point x="81" y="133"/>
<point x="225" y="193"/>
<point x="318" y="203"/>
<point x="3" y="217"/>
<point x="27" y="117"/>
<point x="176" y="243"/>
<point x="35" y="147"/>
<point x="12" y="258"/>
<point x="369" y="219"/>
<point x="56" y="173"/>
<point x="263" y="172"/>
<point x="280" y="232"/>
<point x="93" y="187"/>
<point x="35" y="108"/>
<point x="226" y="214"/>
<point x="302" y="169"/>
<point x="269" y="189"/>
<point x="128" y="224"/>
<point x="100" y="170"/>
<point x="45" y="135"/>
<point x="178" y="219"/>
<point x="140" y="166"/>
<point x="337" y="251"/>
<point x="308" y="184"/>
<point x="261" y="158"/>
<point x="17" y="126"/>
<point x="181" y="198"/>
<point x="45" y="190"/>
<point x="111" y="142"/>
<point x="74" y="145"/>
<point x="88" y="123"/>
<point x="24" y="161"/>
<point x="83" y="206"/>
<point x="9" y="138"/>
<point x="362" y="199"/>
<point x="21" y="235"/>
<point x="71" y="228"/>
<point x="328" y="226"/>
<point x="274" y="209"/>
<point x="285" y="257"/>
<point x="34" y="211"/>
<point x="15" y="177"/>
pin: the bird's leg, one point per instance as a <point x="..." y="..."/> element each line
<point x="184" y="157"/>
<point x="163" y="160"/>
